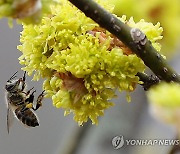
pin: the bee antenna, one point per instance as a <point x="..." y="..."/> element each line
<point x="13" y="76"/>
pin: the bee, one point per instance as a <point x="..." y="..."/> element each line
<point x="20" y="104"/>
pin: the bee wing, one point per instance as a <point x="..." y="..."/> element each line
<point x="10" y="117"/>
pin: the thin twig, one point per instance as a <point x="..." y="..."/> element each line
<point x="148" y="81"/>
<point x="131" y="37"/>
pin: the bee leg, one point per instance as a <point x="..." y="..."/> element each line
<point x="28" y="92"/>
<point x="24" y="76"/>
<point x="23" y="79"/>
<point x="29" y="102"/>
<point x="25" y="107"/>
<point x="30" y="99"/>
<point x="39" y="101"/>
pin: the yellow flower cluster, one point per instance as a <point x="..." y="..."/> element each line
<point x="165" y="101"/>
<point x="165" y="94"/>
<point x="83" y="64"/>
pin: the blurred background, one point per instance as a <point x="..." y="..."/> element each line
<point x="61" y="135"/>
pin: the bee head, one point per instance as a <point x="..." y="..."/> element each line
<point x="12" y="85"/>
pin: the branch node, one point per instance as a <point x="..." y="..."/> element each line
<point x="138" y="36"/>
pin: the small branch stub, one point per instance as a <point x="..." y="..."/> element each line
<point x="138" y="37"/>
<point x="148" y="81"/>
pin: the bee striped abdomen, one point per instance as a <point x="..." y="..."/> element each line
<point x="27" y="117"/>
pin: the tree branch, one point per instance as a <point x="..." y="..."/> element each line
<point x="131" y="37"/>
<point x="148" y="81"/>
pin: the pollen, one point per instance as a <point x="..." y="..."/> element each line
<point x="30" y="105"/>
